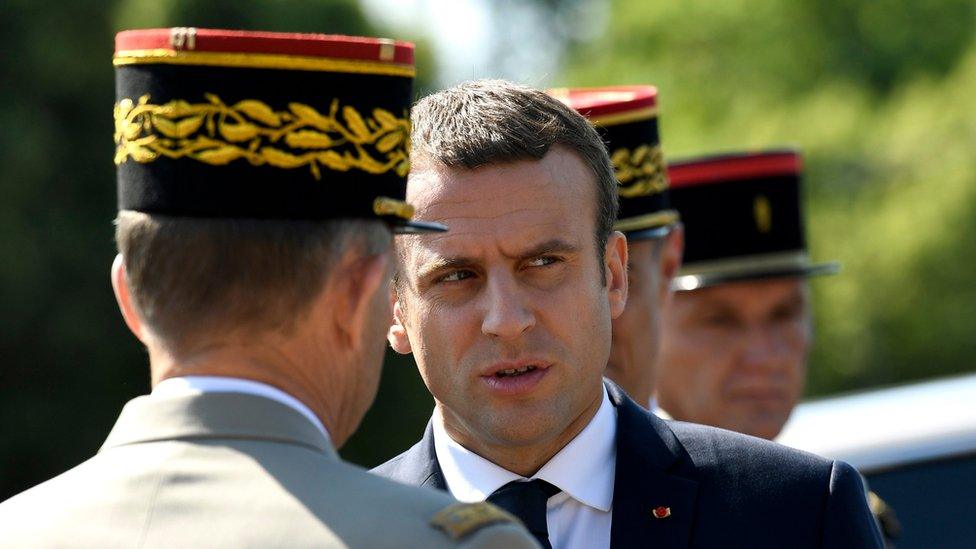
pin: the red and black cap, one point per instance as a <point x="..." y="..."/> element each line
<point x="743" y="219"/>
<point x="263" y="125"/>
<point x="626" y="117"/>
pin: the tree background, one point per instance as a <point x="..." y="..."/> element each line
<point x="879" y="94"/>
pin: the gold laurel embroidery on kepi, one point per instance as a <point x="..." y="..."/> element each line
<point x="216" y="133"/>
<point x="640" y="172"/>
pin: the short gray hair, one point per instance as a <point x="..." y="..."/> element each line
<point x="190" y="276"/>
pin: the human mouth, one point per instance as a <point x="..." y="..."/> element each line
<point x="512" y="372"/>
<point x="515" y="378"/>
<point x="760" y="396"/>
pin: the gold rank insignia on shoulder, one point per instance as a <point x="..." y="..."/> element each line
<point x="463" y="519"/>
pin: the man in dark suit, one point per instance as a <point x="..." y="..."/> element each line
<point x="509" y="318"/>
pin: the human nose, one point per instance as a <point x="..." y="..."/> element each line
<point x="765" y="350"/>
<point x="507" y="314"/>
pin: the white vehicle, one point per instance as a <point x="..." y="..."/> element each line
<point x="915" y="444"/>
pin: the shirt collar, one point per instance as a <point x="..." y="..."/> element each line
<point x="188" y="385"/>
<point x="660" y="412"/>
<point x="584" y="468"/>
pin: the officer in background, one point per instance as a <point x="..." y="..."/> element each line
<point x="738" y="331"/>
<point x="626" y="117"/>
<point x="259" y="176"/>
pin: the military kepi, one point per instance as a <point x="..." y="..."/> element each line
<point x="743" y="218"/>
<point x="262" y="125"/>
<point x="626" y="117"/>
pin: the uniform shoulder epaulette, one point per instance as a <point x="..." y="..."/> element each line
<point x="463" y="519"/>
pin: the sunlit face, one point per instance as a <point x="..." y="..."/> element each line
<point x="636" y="332"/>
<point x="734" y="355"/>
<point x="507" y="314"/>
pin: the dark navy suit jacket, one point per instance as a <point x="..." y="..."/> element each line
<point x="724" y="489"/>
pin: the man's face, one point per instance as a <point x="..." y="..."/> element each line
<point x="734" y="355"/>
<point x="507" y="313"/>
<point x="637" y="332"/>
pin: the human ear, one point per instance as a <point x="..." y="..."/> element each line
<point x="397" y="334"/>
<point x="120" y="285"/>
<point x="615" y="268"/>
<point x="354" y="288"/>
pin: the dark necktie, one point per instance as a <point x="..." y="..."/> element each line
<point x="527" y="501"/>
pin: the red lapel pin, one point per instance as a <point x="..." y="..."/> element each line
<point x="661" y="512"/>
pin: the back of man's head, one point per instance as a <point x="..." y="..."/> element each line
<point x="195" y="278"/>
<point x="494" y="121"/>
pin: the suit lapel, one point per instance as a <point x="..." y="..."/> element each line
<point x="431" y="472"/>
<point x="652" y="505"/>
<point x="417" y="466"/>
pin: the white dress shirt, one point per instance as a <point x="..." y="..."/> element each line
<point x="195" y="385"/>
<point x="577" y="517"/>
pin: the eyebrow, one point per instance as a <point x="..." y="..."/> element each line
<point x="554" y="246"/>
<point x="443" y="264"/>
<point x="713" y="304"/>
<point x="796" y="298"/>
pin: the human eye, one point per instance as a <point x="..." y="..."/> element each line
<point x="542" y="261"/>
<point x="788" y="313"/>
<point x="455" y="276"/>
<point x="719" y="320"/>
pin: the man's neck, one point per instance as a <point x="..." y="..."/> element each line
<point x="636" y="375"/>
<point x="524" y="460"/>
<point x="254" y="362"/>
<point x="195" y="384"/>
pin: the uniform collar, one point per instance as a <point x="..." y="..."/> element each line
<point x="224" y="416"/>
<point x="584" y="469"/>
<point x="195" y="385"/>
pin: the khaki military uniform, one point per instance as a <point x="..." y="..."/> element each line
<point x="236" y="470"/>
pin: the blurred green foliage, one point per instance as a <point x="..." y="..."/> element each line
<point x="881" y="97"/>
